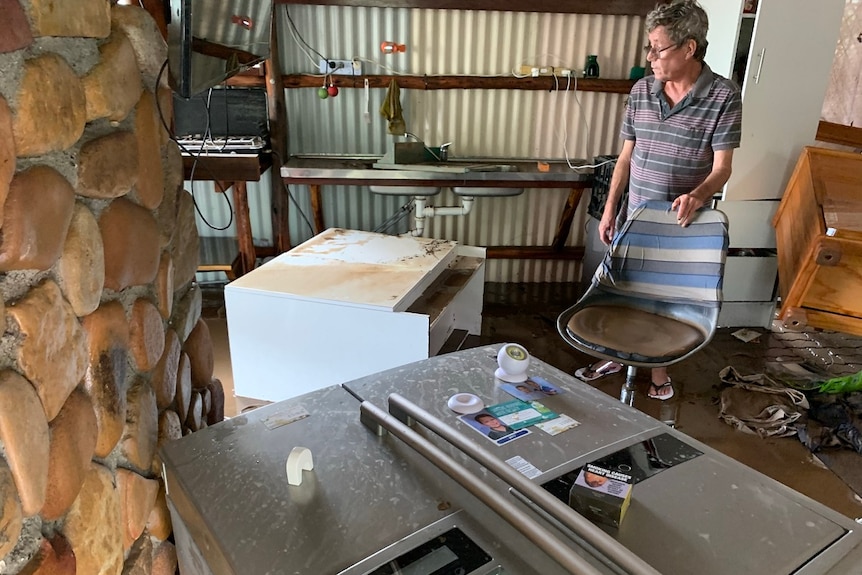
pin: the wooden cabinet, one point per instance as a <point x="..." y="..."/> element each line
<point x="818" y="229"/>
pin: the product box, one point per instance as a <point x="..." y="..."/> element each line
<point x="601" y="494"/>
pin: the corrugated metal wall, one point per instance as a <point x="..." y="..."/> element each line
<point x="488" y="123"/>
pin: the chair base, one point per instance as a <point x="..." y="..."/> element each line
<point x="627" y="393"/>
<point x="668" y="410"/>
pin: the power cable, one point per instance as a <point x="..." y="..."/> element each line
<point x="215" y="180"/>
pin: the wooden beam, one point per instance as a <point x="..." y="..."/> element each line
<point x="606" y="85"/>
<point x="839" y="134"/>
<point x="316" y="208"/>
<point x="534" y="253"/>
<point x="566" y="219"/>
<point x="232" y="56"/>
<point x="158" y="9"/>
<point x="279" y="200"/>
<point x="548" y="83"/>
<point x="609" y="7"/>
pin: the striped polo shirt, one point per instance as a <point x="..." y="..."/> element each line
<point x="674" y="147"/>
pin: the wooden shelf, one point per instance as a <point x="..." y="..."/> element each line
<point x="412" y="82"/>
<point x="227" y="168"/>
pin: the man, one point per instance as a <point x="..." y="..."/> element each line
<point x="680" y="129"/>
<point x="496" y="428"/>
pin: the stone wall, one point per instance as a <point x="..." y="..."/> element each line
<point x="103" y="355"/>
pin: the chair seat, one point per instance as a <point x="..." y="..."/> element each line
<point x="632" y="331"/>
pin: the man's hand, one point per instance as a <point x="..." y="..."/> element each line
<point x="607" y="227"/>
<point x="685" y="207"/>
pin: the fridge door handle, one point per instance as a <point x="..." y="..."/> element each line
<point x="406" y="411"/>
<point x="762" y="56"/>
<point x="526" y="525"/>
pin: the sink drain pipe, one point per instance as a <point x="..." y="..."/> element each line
<point x="422" y="210"/>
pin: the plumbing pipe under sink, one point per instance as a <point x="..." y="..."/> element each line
<point x="422" y="210"/>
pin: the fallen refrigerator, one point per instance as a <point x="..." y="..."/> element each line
<point x="402" y="484"/>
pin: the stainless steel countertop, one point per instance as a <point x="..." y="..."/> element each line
<point x="479" y="172"/>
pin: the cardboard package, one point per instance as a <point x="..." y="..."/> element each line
<point x="601" y="494"/>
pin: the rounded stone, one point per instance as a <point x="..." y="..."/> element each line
<point x="81" y="268"/>
<point x="52" y="110"/>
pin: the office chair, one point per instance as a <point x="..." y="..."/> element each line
<point x="655" y="298"/>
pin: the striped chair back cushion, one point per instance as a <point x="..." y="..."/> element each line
<point x="654" y="257"/>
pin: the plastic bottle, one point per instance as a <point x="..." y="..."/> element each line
<point x="591" y="67"/>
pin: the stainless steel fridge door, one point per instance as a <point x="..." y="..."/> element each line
<point x="367" y="501"/>
<point x="705" y="514"/>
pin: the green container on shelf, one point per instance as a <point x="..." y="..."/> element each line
<point x="591" y="66"/>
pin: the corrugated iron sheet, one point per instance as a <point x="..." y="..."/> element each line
<point x="565" y="123"/>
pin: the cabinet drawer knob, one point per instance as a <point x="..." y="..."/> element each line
<point x="794" y="319"/>
<point x="828" y="256"/>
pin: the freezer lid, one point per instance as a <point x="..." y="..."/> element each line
<point x="353" y="268"/>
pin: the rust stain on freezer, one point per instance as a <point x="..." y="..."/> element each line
<point x="355" y="267"/>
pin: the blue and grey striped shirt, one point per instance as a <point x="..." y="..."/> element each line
<point x="673" y="151"/>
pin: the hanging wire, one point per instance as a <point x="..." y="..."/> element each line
<point x="196" y="157"/>
<point x="300" y="41"/>
<point x="395" y="218"/>
<point x="290" y="195"/>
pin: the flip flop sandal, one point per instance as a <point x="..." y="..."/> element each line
<point x="654" y="389"/>
<point x="606" y="368"/>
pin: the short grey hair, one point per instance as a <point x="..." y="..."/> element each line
<point x="684" y="20"/>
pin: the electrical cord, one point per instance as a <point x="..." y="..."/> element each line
<point x="173" y="137"/>
<point x="395" y="218"/>
<point x="290" y="194"/>
<point x="565" y="138"/>
<point x="378" y="64"/>
<point x="300" y="41"/>
<point x="298" y="208"/>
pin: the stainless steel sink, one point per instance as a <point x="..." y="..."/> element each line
<point x="453" y="166"/>
<point x="405" y="190"/>
<point x="492" y="168"/>
<point x="482" y="192"/>
<point x="460" y="171"/>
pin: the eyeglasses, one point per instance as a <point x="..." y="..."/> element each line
<point x="655" y="53"/>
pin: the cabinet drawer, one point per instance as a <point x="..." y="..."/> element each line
<point x="750" y="222"/>
<point x="750" y="277"/>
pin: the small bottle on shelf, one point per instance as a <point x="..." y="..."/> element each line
<point x="591" y="67"/>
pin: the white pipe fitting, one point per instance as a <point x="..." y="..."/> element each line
<point x="419" y="204"/>
<point x="422" y="210"/>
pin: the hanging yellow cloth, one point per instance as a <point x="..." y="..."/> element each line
<point x="391" y="109"/>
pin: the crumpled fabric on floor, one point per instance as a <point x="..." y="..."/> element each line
<point x="759" y="405"/>
<point x="833" y="421"/>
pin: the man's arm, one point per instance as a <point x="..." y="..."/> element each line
<point x="619" y="179"/>
<point x="687" y="204"/>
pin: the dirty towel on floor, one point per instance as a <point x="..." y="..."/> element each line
<point x="759" y="405"/>
<point x="833" y="421"/>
